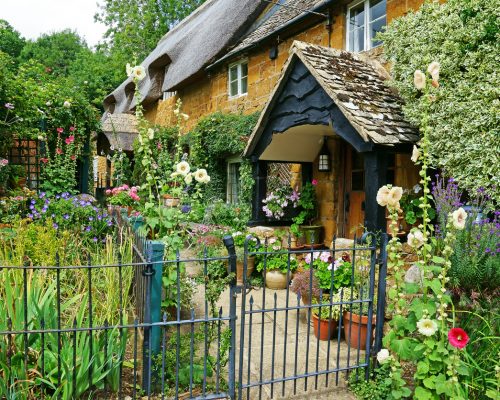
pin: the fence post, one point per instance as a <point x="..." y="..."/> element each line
<point x="229" y="243"/>
<point x="382" y="278"/>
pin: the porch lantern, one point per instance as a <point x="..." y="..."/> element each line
<point x="324" y="164"/>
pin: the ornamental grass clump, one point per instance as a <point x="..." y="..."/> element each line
<point x="422" y="327"/>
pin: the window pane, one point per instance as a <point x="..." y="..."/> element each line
<point x="233" y="73"/>
<point x="244" y="70"/>
<point x="377" y="9"/>
<point x="376" y="27"/>
<point x="357" y="28"/>
<point x="244" y="85"/>
<point x="357" y="40"/>
<point x="357" y="17"/>
<point x="233" y="88"/>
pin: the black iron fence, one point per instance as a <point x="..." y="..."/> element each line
<point x="59" y="338"/>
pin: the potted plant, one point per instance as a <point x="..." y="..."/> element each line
<point x="305" y="287"/>
<point x="355" y="319"/>
<point x="325" y="317"/>
<point x="239" y="242"/>
<point x="123" y="197"/>
<point x="308" y="212"/>
<point x="332" y="274"/>
<point x="278" y="269"/>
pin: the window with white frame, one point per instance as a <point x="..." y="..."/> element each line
<point x="233" y="180"/>
<point x="238" y="79"/>
<point x="365" y="18"/>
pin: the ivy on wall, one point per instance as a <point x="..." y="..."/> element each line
<point x="215" y="138"/>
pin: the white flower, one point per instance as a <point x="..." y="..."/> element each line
<point x="185" y="116"/>
<point x="48" y="104"/>
<point x="427" y="327"/>
<point x="188" y="179"/>
<point x="416" y="239"/>
<point x="151" y="133"/>
<point x="417" y="188"/>
<point x="183" y="168"/>
<point x="174" y="174"/>
<point x="415" y="155"/>
<point x="459" y="216"/>
<point x="67" y="104"/>
<point x="138" y="72"/>
<point x="394" y="196"/>
<point x="433" y="70"/>
<point x="383" y="356"/>
<point x="382" y="195"/>
<point x="201" y="175"/>
<point x="128" y="68"/>
<point x="419" y="79"/>
<point x="207" y="179"/>
<point x="41" y="138"/>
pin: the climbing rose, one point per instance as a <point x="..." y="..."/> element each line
<point x="458" y="338"/>
<point x="415" y="155"/>
<point x="383" y="195"/>
<point x="427" y="327"/>
<point x="416" y="239"/>
<point x="383" y="356"/>
<point x="459" y="216"/>
<point x="419" y="79"/>
<point x="433" y="70"/>
<point x="394" y="196"/>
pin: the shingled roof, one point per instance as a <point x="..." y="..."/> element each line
<point x="186" y="49"/>
<point x="357" y="86"/>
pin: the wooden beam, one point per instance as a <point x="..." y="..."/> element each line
<point x="375" y="177"/>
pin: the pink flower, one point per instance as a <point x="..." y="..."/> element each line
<point x="125" y="187"/>
<point x="158" y="146"/>
<point x="59" y="151"/>
<point x="44" y="160"/>
<point x="458" y="338"/>
<point x="60" y="130"/>
<point x="72" y="128"/>
<point x="108" y="192"/>
<point x="134" y="196"/>
<point x="314" y="182"/>
<point x="73" y="157"/>
<point x="70" y="139"/>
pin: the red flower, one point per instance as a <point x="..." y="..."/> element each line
<point x="59" y="151"/>
<point x="314" y="182"/>
<point x="70" y="139"/>
<point x="73" y="157"/>
<point x="44" y="160"/>
<point x="458" y="338"/>
<point x="60" y="130"/>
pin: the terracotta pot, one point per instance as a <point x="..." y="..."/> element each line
<point x="276" y="280"/>
<point x="324" y="329"/>
<point x="240" y="267"/>
<point x="171" y="201"/>
<point x="312" y="234"/>
<point x="358" y="329"/>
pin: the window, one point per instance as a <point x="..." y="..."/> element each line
<point x="238" y="79"/>
<point x="233" y="181"/>
<point x="364" y="20"/>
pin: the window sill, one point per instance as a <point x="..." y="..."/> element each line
<point x="238" y="96"/>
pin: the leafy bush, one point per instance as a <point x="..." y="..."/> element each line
<point x="462" y="35"/>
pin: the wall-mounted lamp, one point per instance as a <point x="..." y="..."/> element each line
<point x="325" y="161"/>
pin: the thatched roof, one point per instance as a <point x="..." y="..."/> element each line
<point x="186" y="49"/>
<point x="357" y="86"/>
<point x="121" y="130"/>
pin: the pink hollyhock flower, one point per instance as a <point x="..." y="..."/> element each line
<point x="59" y="151"/>
<point x="70" y="139"/>
<point x="458" y="338"/>
<point x="44" y="160"/>
<point x="314" y="182"/>
<point x="73" y="157"/>
<point x="108" y="192"/>
<point x="125" y="187"/>
<point x="72" y="128"/>
<point x="60" y="130"/>
<point x="134" y="196"/>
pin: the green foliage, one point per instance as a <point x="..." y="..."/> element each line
<point x="224" y="214"/>
<point x="325" y="309"/>
<point x="373" y="389"/>
<point x="282" y="261"/>
<point x="463" y="36"/>
<point x="11" y="41"/>
<point x="308" y="208"/>
<point x="217" y="137"/>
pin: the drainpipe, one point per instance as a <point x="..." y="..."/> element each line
<point x="277" y="32"/>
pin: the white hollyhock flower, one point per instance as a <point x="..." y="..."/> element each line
<point x="201" y="175"/>
<point x="419" y="79"/>
<point x="382" y="195"/>
<point x="433" y="70"/>
<point x="415" y="155"/>
<point x="207" y="179"/>
<point x="427" y="327"/>
<point x="188" y="179"/>
<point x="459" y="216"/>
<point x="183" y="168"/>
<point x="394" y="196"/>
<point x="128" y="68"/>
<point x="383" y="356"/>
<point x="416" y="239"/>
<point x="185" y="116"/>
<point x="138" y="72"/>
<point x="67" y="104"/>
<point x="151" y="133"/>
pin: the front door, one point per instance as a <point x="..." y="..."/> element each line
<point x="354" y="193"/>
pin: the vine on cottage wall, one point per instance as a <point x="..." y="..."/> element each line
<point x="215" y="138"/>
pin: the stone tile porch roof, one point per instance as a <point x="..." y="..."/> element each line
<point x="357" y="85"/>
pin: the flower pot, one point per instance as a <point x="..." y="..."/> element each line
<point x="355" y="335"/>
<point x="276" y="280"/>
<point x="171" y="201"/>
<point x="324" y="329"/>
<point x="240" y="268"/>
<point x="312" y="234"/>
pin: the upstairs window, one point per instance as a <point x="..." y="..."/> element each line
<point x="365" y="19"/>
<point x="238" y="79"/>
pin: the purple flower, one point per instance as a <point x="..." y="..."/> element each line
<point x="66" y="216"/>
<point x="30" y="216"/>
<point x="88" y="228"/>
<point x="33" y="202"/>
<point x="55" y="225"/>
<point x="42" y="195"/>
<point x="186" y="208"/>
<point x="9" y="106"/>
<point x="32" y="207"/>
<point x="91" y="218"/>
<point x="94" y="239"/>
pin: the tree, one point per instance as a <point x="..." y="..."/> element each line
<point x="135" y="27"/>
<point x="11" y="41"/>
<point x="463" y="36"/>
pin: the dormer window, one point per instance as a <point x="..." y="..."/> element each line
<point x="238" y="79"/>
<point x="365" y="18"/>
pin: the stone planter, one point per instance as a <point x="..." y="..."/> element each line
<point x="312" y="234"/>
<point x="324" y="329"/>
<point x="276" y="280"/>
<point x="355" y="335"/>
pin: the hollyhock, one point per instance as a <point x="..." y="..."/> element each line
<point x="459" y="217"/>
<point x="458" y="338"/>
<point x="70" y="139"/>
<point x="59" y="151"/>
<point x="383" y="195"/>
<point x="72" y="128"/>
<point x="201" y="175"/>
<point x="44" y="160"/>
<point x="433" y="70"/>
<point x="383" y="356"/>
<point x="427" y="327"/>
<point x="394" y="196"/>
<point x="419" y="79"/>
<point x="415" y="155"/>
<point x="60" y="130"/>
<point x="314" y="182"/>
<point x="416" y="239"/>
<point x="183" y="168"/>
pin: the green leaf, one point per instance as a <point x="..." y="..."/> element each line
<point x="492" y="394"/>
<point x="422" y="394"/>
<point x="422" y="367"/>
<point x="429" y="382"/>
<point x="404" y="347"/>
<point x="438" y="260"/>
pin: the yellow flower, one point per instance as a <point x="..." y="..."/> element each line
<point x="419" y="79"/>
<point x="459" y="216"/>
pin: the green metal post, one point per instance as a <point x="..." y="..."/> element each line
<point x="158" y="250"/>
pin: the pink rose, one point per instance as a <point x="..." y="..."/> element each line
<point x="314" y="182"/>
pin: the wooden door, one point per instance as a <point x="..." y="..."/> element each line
<point x="354" y="193"/>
